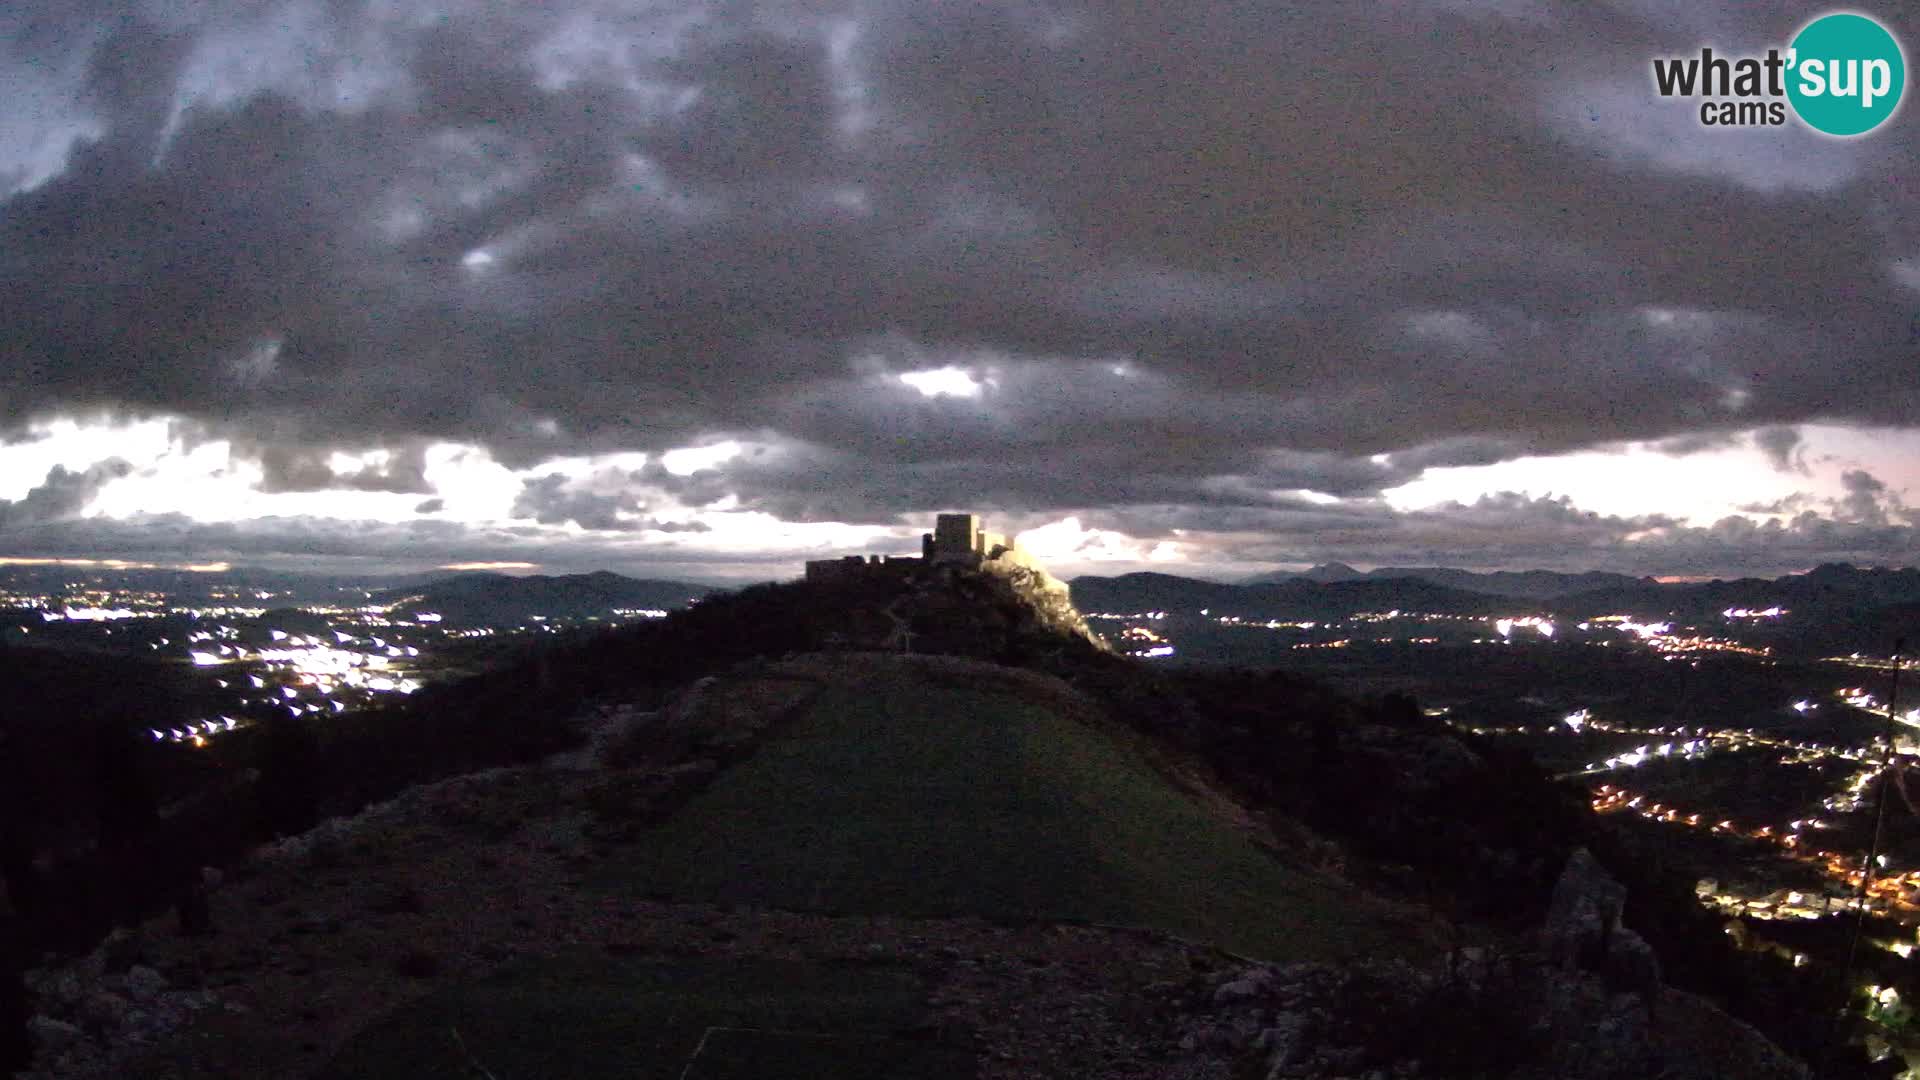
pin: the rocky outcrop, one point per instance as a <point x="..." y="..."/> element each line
<point x="1587" y="1005"/>
<point x="606" y="729"/>
<point x="1049" y="597"/>
<point x="108" y="999"/>
<point x="1583" y="930"/>
<point x="1482" y="1015"/>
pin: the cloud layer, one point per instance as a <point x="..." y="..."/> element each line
<point x="1191" y="262"/>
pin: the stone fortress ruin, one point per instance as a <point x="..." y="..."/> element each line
<point x="956" y="540"/>
<point x="956" y="548"/>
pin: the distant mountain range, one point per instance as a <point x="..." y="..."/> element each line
<point x="501" y="599"/>
<point x="1834" y="605"/>
<point x="1524" y="584"/>
<point x="1829" y="586"/>
<point x="1298" y="598"/>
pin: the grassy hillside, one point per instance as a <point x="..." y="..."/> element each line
<point x="909" y="795"/>
<point x="916" y="788"/>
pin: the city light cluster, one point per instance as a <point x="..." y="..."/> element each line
<point x="1142" y="642"/>
<point x="1892" y="892"/>
<point x="1270" y="624"/>
<point x="1506" y="626"/>
<point x="97" y="614"/>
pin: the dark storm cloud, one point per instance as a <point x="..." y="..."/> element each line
<point x="288" y="468"/>
<point x="1508" y="530"/>
<point x="607" y="500"/>
<point x="1325" y="248"/>
<point x="1699" y="442"/>
<point x="1867" y="500"/>
<point x="380" y="547"/>
<point x="1496" y="531"/>
<point x="62" y="496"/>
<point x="552" y="500"/>
<point x="1782" y="447"/>
<point x="1789" y="504"/>
<point x="1739" y="545"/>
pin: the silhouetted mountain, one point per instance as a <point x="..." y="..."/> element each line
<point x="497" y="599"/>
<point x="1832" y="608"/>
<point x="1325" y="572"/>
<point x="1295" y="598"/>
<point x="1871" y="630"/>
<point x="1522" y="584"/>
<point x="1827" y="590"/>
<point x="1874" y="583"/>
<point x="1149" y="591"/>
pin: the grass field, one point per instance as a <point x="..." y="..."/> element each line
<point x="905" y="797"/>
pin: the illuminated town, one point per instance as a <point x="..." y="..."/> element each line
<point x="1760" y="757"/>
<point x="304" y="653"/>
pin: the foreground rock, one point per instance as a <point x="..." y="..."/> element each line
<point x="1587" y="1005"/>
<point x="1515" y="1016"/>
<point x="1584" y="929"/>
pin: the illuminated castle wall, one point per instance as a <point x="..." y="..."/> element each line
<point x="956" y="540"/>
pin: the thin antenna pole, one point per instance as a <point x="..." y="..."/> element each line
<point x="1873" y="848"/>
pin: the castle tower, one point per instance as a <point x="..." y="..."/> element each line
<point x="956" y="539"/>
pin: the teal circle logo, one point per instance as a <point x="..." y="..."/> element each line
<point x="1846" y="74"/>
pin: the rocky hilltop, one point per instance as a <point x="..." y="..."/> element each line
<point x="959" y="561"/>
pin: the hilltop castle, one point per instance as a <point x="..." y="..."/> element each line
<point x="956" y="540"/>
<point x="958" y="546"/>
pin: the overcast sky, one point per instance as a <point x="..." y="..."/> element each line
<point x="702" y="290"/>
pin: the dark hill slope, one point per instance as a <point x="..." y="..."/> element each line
<point x="76" y="762"/>
<point x="1515" y="584"/>
<point x="501" y="599"/>
<point x="1292" y="599"/>
<point x="932" y="787"/>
